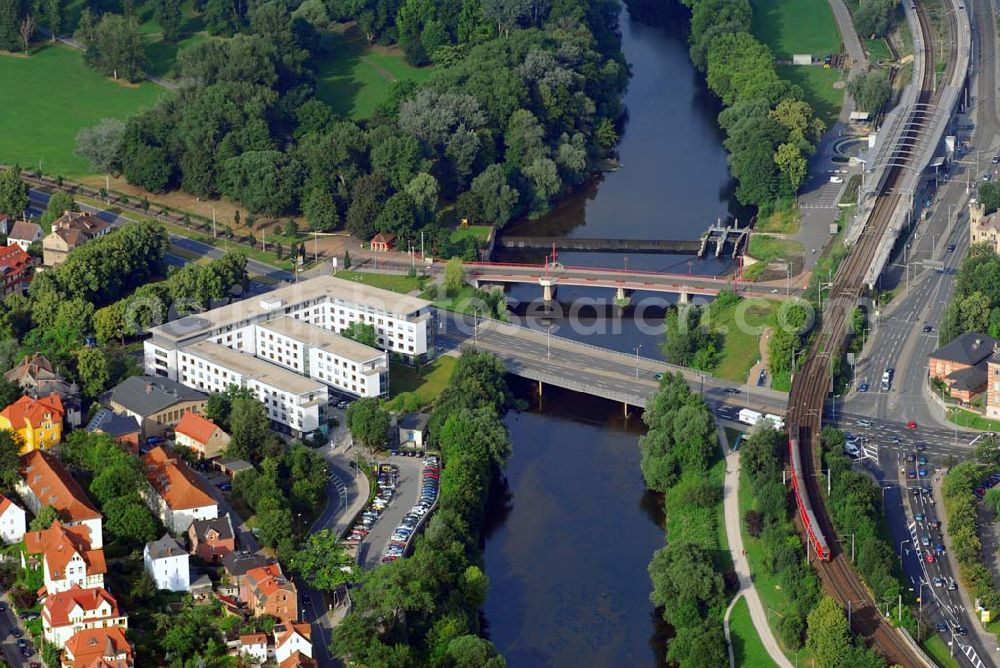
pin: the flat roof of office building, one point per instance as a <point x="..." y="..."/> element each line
<point x="253" y="368"/>
<point x="318" y="337"/>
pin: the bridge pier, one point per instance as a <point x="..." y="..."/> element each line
<point x="622" y="296"/>
<point x="548" y="288"/>
<point x="683" y="298"/>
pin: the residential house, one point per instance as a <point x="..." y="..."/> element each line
<point x="962" y="364"/>
<point x="254" y="646"/>
<point x="266" y="591"/>
<point x="38" y="378"/>
<point x="413" y="430"/>
<point x="38" y="421"/>
<point x="70" y="231"/>
<point x="16" y="269"/>
<point x="24" y="233"/>
<point x="67" y="612"/>
<point x="45" y="482"/>
<point x="66" y="556"/>
<point x="123" y="428"/>
<point x="201" y="435"/>
<point x="291" y="638"/>
<point x="12" y="521"/>
<point x="238" y="564"/>
<point x="297" y="660"/>
<point x="176" y="494"/>
<point x="167" y="562"/>
<point x="211" y="540"/>
<point x="382" y="242"/>
<point x="157" y="404"/>
<point x="98" y="648"/>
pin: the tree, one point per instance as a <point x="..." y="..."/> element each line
<point x="263" y="181"/>
<point x="101" y="145"/>
<point x="498" y="198"/>
<point x="110" y="323"/>
<point x="874" y="18"/>
<point x="52" y="15"/>
<point x="217" y="408"/>
<point x="26" y="30"/>
<point x="792" y="164"/>
<point x="168" y="14"/>
<point x="94" y="370"/>
<point x="44" y="519"/>
<point x="320" y="210"/>
<point x="367" y="197"/>
<point x="321" y="560"/>
<point x="114" y="47"/>
<point x="10" y="452"/>
<point x="988" y="451"/>
<point x="249" y="425"/>
<point x="506" y="13"/>
<point x="10" y="17"/>
<point x="361" y="332"/>
<point x="828" y="637"/>
<point x="454" y="276"/>
<point x="368" y="422"/>
<point x="59" y="203"/>
<point x="13" y="193"/>
<point x="423" y="191"/>
<point x="470" y="651"/>
<point x="870" y="90"/>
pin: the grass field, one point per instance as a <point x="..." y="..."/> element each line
<point x="740" y="343"/>
<point x="355" y="78"/>
<point x="427" y="382"/>
<point x="938" y="650"/>
<point x="394" y="282"/>
<point x="480" y="232"/>
<point x="52" y="96"/>
<point x="767" y="249"/>
<point x="877" y="50"/>
<point x="748" y="650"/>
<point x="161" y="55"/>
<point x="817" y="87"/>
<point x="785" y="220"/>
<point x="965" y="418"/>
<point x="795" y="26"/>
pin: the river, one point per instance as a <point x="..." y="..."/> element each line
<point x="570" y="536"/>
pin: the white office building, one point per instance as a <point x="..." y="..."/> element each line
<point x="334" y="360"/>
<point x="404" y="324"/>
<point x="293" y="401"/>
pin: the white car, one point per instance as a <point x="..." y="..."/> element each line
<point x="836" y="179"/>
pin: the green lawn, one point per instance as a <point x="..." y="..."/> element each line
<point x="785" y="220"/>
<point x="938" y="650"/>
<point x="355" y="78"/>
<point x="817" y="88"/>
<point x="965" y="418"/>
<point x="52" y="96"/>
<point x="480" y="232"/>
<point x="427" y="382"/>
<point x="796" y="26"/>
<point x="394" y="282"/>
<point x="738" y="324"/>
<point x="877" y="50"/>
<point x="748" y="650"/>
<point x="160" y="55"/>
<point x="767" y="249"/>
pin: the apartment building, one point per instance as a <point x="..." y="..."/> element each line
<point x="404" y="324"/>
<point x="318" y="353"/>
<point x="293" y="402"/>
<point x="45" y="481"/>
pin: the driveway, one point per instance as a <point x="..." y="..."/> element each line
<point x="407" y="494"/>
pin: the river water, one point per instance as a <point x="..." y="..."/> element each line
<point x="570" y="536"/>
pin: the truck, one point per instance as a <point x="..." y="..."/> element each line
<point x="747" y="416"/>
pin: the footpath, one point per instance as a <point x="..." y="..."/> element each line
<point x="747" y="590"/>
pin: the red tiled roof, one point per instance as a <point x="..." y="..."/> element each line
<point x="53" y="486"/>
<point x="90" y="648"/>
<point x="13" y="258"/>
<point x="196" y="427"/>
<point x="59" y="543"/>
<point x="253" y="639"/>
<point x="27" y="411"/>
<point x="297" y="660"/>
<point x="282" y="636"/>
<point x="175" y="481"/>
<point x="5" y="503"/>
<point x="58" y="606"/>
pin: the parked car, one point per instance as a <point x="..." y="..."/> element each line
<point x="863" y="387"/>
<point x="911" y="425"/>
<point x="929" y="558"/>
<point x="918" y="517"/>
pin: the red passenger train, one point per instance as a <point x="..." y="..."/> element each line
<point x="816" y="536"/>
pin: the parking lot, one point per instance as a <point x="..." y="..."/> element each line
<point x="407" y="492"/>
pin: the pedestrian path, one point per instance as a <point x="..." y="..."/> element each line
<point x="730" y="500"/>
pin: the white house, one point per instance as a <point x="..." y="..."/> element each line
<point x="290" y="638"/>
<point x="167" y="562"/>
<point x="175" y="493"/>
<point x="46" y="482"/>
<point x="66" y="556"/>
<point x="67" y="612"/>
<point x="24" y="233"/>
<point x="12" y="521"/>
<point x="254" y="646"/>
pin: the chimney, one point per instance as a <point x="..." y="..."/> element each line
<point x="149" y="388"/>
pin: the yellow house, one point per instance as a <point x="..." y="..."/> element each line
<point x="38" y="421"/>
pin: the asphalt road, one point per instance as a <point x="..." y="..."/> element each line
<point x="8" y="643"/>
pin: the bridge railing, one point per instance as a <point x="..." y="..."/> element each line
<point x="600" y="270"/>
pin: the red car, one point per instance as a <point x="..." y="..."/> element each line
<point x="930" y="558"/>
<point x="911" y="425"/>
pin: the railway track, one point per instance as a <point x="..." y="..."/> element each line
<point x="809" y="390"/>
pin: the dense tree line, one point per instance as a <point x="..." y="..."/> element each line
<point x="115" y="481"/>
<point x="762" y="458"/>
<point x="876" y="18"/>
<point x="961" y="507"/>
<point x="854" y="507"/>
<point x="524" y="98"/>
<point x="975" y="306"/>
<point x="676" y="453"/>
<point x="770" y="129"/>
<point x="424" y="610"/>
<point x="870" y="90"/>
<point x="788" y="339"/>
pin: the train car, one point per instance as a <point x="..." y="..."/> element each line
<point x="747" y="416"/>
<point x="816" y="537"/>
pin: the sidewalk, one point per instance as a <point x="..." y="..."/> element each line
<point x="730" y="499"/>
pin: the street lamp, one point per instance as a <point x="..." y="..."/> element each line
<point x="548" y="342"/>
